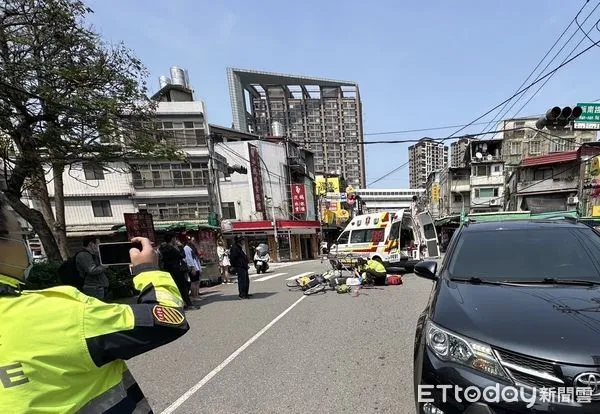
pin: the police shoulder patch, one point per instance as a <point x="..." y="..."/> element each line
<point x="167" y="316"/>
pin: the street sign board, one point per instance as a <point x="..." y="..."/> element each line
<point x="590" y="112"/>
<point x="590" y="116"/>
<point x="299" y="198"/>
<point x="140" y="225"/>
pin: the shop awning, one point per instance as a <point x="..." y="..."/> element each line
<point x="262" y="225"/>
<point x="175" y="226"/>
<point x="543" y="203"/>
<point x="447" y="221"/>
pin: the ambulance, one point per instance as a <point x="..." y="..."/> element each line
<point x="399" y="238"/>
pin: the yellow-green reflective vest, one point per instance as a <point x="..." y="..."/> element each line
<point x="63" y="352"/>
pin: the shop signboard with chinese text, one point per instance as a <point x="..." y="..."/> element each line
<point x="139" y="225"/>
<point x="327" y="185"/>
<point x="299" y="198"/>
<point x="257" y="183"/>
<point x="590" y="116"/>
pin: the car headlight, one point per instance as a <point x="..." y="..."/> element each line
<point x="452" y="347"/>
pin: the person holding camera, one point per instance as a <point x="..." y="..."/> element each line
<point x="63" y="351"/>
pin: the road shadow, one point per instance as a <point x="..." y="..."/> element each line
<point x="218" y="296"/>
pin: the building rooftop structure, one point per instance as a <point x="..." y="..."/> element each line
<point x="324" y="115"/>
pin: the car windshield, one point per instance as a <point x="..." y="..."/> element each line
<point x="527" y="254"/>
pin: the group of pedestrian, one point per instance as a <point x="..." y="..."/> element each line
<point x="182" y="262"/>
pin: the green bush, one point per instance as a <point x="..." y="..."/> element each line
<point x="45" y="275"/>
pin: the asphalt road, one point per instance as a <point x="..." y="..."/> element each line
<point x="329" y="353"/>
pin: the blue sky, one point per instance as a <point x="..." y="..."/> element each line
<point x="417" y="65"/>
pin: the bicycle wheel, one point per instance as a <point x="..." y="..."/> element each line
<point x="293" y="285"/>
<point x="315" y="289"/>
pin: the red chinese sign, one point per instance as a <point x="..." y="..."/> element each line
<point x="257" y="184"/>
<point x="139" y="225"/>
<point x="299" y="198"/>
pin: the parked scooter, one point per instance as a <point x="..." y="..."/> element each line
<point x="261" y="258"/>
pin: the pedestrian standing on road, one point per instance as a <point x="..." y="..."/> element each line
<point x="224" y="262"/>
<point x="239" y="261"/>
<point x="192" y="259"/>
<point x="95" y="281"/>
<point x="63" y="351"/>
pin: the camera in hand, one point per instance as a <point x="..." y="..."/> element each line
<point x="115" y="254"/>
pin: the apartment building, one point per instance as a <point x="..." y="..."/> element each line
<point x="323" y="115"/>
<point x="487" y="176"/>
<point x="455" y="189"/>
<point x="259" y="204"/>
<point x="457" y="152"/>
<point x="181" y="190"/>
<point x="95" y="198"/>
<point x="425" y="157"/>
<point x="531" y="142"/>
<point x="545" y="183"/>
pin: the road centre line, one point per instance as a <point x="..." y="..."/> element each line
<point x="228" y="360"/>
<point x="300" y="275"/>
<point x="262" y="279"/>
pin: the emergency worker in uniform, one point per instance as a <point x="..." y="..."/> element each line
<point x="62" y="351"/>
<point x="372" y="270"/>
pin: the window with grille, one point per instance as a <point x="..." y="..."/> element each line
<point x="228" y="211"/>
<point x="101" y="208"/>
<point x="170" y="175"/>
<point x="93" y="171"/>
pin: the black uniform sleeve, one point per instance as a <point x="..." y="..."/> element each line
<point x="114" y="331"/>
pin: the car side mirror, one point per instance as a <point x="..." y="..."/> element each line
<point x="427" y="269"/>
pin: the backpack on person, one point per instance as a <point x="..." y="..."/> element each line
<point x="69" y="274"/>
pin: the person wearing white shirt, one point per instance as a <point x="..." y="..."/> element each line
<point x="193" y="261"/>
<point x="224" y="262"/>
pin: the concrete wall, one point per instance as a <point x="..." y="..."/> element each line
<point x="239" y="190"/>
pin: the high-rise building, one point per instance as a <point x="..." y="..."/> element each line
<point x="323" y="115"/>
<point x="425" y="157"/>
<point x="457" y="152"/>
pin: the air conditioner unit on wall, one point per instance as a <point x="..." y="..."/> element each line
<point x="494" y="202"/>
<point x="572" y="200"/>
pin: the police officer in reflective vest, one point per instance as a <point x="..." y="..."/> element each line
<point x="62" y="351"/>
<point x="372" y="270"/>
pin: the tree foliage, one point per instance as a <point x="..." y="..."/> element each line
<point x="65" y="97"/>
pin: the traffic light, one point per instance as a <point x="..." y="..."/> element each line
<point x="240" y="169"/>
<point x="558" y="118"/>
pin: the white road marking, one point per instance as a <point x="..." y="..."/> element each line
<point x="262" y="279"/>
<point x="300" y="275"/>
<point x="228" y="360"/>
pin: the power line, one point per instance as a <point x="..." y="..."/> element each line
<point x="548" y="79"/>
<point x="384" y="176"/>
<point x="406" y="131"/>
<point x="526" y="88"/>
<point x="499" y="117"/>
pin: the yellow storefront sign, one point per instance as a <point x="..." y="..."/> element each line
<point x="435" y="193"/>
<point x="596" y="211"/>
<point x="327" y="185"/>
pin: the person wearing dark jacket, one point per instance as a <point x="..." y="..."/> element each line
<point x="173" y="261"/>
<point x="239" y="261"/>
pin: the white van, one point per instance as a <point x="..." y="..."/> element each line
<point x="397" y="239"/>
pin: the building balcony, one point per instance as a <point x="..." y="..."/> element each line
<point x="486" y="158"/>
<point x="482" y="202"/>
<point x="548" y="185"/>
<point x="493" y="180"/>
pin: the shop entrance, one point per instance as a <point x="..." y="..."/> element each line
<point x="306" y="248"/>
<point x="284" y="247"/>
